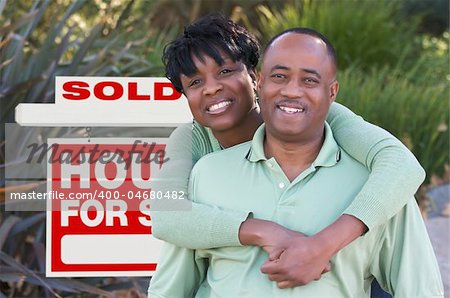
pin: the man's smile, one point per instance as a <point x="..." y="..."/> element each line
<point x="291" y="107"/>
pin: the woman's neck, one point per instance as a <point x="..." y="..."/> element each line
<point x="242" y="132"/>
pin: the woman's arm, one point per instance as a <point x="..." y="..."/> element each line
<point x="395" y="174"/>
<point x="189" y="224"/>
<point x="199" y="226"/>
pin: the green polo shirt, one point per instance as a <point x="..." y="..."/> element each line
<point x="242" y="178"/>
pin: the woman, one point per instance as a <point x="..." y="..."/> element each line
<point x="214" y="65"/>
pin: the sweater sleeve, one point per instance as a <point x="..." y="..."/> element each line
<point x="185" y="223"/>
<point x="395" y="174"/>
<point x="178" y="273"/>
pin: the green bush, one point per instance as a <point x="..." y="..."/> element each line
<point x="391" y="75"/>
<point x="31" y="55"/>
<point x="435" y="14"/>
<point x="418" y="114"/>
<point x="364" y="33"/>
<point x="31" y="58"/>
<point x="28" y="72"/>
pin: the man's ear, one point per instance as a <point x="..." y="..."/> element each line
<point x="259" y="82"/>
<point x="334" y="89"/>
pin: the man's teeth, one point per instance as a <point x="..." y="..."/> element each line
<point x="291" y="110"/>
<point x="219" y="105"/>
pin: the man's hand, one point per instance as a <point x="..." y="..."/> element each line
<point x="302" y="261"/>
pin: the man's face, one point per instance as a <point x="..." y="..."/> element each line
<point x="220" y="96"/>
<point x="297" y="86"/>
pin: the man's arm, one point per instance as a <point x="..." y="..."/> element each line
<point x="404" y="263"/>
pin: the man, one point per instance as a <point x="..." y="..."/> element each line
<point x="291" y="173"/>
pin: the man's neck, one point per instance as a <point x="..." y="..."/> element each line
<point x="293" y="157"/>
<point x="240" y="133"/>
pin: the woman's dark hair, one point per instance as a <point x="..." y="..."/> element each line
<point x="207" y="36"/>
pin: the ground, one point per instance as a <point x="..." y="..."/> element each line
<point x="438" y="226"/>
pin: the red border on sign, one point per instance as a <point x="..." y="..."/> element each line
<point x="78" y="228"/>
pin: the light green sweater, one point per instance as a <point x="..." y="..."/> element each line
<point x="395" y="175"/>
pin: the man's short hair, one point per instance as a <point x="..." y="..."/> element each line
<point x="311" y="32"/>
<point x="207" y="36"/>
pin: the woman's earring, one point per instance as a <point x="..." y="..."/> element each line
<point x="256" y="95"/>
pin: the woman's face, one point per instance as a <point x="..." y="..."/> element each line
<point x="220" y="96"/>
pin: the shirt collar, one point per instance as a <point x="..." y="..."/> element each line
<point x="330" y="153"/>
<point x="328" y="156"/>
<point x="256" y="151"/>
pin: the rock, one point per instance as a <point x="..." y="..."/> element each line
<point x="446" y="211"/>
<point x="438" y="226"/>
<point x="439" y="200"/>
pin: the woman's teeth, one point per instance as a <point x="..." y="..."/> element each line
<point x="219" y="105"/>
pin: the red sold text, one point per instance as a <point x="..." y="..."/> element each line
<point x="114" y="90"/>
